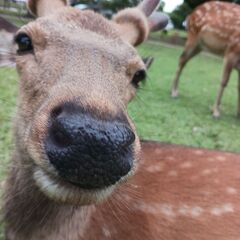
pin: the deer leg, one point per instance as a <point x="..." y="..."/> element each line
<point x="226" y="75"/>
<point x="191" y="50"/>
<point x="238" y="110"/>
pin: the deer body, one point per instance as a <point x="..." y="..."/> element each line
<point x="213" y="26"/>
<point x="177" y="193"/>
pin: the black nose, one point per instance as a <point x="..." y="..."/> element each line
<point x="89" y="151"/>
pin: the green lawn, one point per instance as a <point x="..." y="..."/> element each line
<point x="8" y="92"/>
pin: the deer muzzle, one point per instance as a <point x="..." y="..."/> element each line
<point x="87" y="151"/>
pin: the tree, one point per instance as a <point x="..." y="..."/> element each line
<point x="179" y="15"/>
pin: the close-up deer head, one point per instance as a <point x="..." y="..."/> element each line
<point x="78" y="71"/>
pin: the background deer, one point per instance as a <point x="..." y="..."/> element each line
<point x="74" y="141"/>
<point x="214" y="26"/>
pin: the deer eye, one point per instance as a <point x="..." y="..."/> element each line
<point x="139" y="77"/>
<point x="24" y="43"/>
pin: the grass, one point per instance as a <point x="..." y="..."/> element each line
<point x="16" y="19"/>
<point x="8" y="92"/>
<point x="187" y="120"/>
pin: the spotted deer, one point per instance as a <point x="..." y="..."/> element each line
<point x="214" y="26"/>
<point x="75" y="144"/>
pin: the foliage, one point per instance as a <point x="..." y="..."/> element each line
<point x="113" y="5"/>
<point x="179" y="15"/>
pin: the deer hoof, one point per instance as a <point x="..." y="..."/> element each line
<point x="216" y="113"/>
<point x="174" y="93"/>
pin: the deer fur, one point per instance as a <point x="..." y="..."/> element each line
<point x="213" y="26"/>
<point x="177" y="193"/>
<point x="77" y="57"/>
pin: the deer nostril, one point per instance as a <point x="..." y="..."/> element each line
<point x="124" y="136"/>
<point x="56" y="112"/>
<point x="59" y="135"/>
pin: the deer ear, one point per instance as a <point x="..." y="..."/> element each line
<point x="134" y="24"/>
<point x="41" y="8"/>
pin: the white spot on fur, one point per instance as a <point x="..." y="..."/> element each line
<point x="196" y="211"/>
<point x="199" y="13"/>
<point x="186" y="165"/>
<point x="172" y="173"/>
<point x="106" y="232"/>
<point x="155" y="209"/>
<point x="231" y="190"/>
<point x="167" y="210"/>
<point x="155" y="167"/>
<point x="199" y="152"/>
<point x="171" y="158"/>
<point x="209" y="171"/>
<point x="186" y="210"/>
<point x="207" y="7"/>
<point x="206" y="172"/>
<point x="221" y="158"/>
<point x="224" y="209"/>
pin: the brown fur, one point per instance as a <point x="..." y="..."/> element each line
<point x="178" y="193"/>
<point x="214" y="26"/>
<point x="139" y="22"/>
<point x="38" y="7"/>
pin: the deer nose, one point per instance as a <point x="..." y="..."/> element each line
<point x="87" y="151"/>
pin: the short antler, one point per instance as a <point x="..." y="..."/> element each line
<point x="134" y="24"/>
<point x="41" y="8"/>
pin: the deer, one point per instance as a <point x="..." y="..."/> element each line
<point x="75" y="143"/>
<point x="213" y="26"/>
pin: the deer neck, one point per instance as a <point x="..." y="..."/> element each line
<point x="29" y="214"/>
